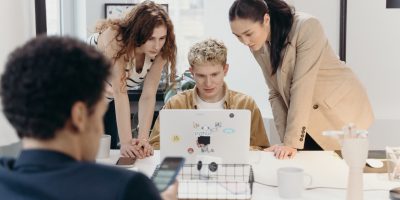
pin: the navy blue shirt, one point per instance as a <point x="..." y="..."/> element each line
<point x="44" y="174"/>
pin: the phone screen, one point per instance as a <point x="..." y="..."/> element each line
<point x="167" y="172"/>
<point x="126" y="161"/>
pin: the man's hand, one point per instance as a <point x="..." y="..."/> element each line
<point x="282" y="152"/>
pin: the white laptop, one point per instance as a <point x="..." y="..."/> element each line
<point x="223" y="134"/>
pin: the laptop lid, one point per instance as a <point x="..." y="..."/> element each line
<point x="223" y="134"/>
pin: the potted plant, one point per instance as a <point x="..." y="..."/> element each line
<point x="183" y="82"/>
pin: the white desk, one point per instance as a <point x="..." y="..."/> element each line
<point x="326" y="168"/>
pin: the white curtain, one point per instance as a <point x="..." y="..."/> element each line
<point x="17" y="22"/>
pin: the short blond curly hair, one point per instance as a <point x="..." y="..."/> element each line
<point x="208" y="51"/>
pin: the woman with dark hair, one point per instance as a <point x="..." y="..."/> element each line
<point x="139" y="45"/>
<point x="310" y="89"/>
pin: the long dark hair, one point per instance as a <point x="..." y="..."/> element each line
<point x="281" y="15"/>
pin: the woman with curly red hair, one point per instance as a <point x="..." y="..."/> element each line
<point x="139" y="46"/>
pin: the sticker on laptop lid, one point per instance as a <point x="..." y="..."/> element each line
<point x="229" y="130"/>
<point x="190" y="150"/>
<point x="175" y="138"/>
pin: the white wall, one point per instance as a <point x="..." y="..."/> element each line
<point x="73" y="18"/>
<point x="80" y="19"/>
<point x="95" y="11"/>
<point x="328" y="12"/>
<point x="17" y="28"/>
<point x="68" y="16"/>
<point x="373" y="50"/>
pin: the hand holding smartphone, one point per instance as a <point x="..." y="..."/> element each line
<point x="167" y="172"/>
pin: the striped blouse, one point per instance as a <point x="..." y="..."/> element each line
<point x="135" y="78"/>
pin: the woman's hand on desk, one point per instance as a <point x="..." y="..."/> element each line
<point x="142" y="148"/>
<point x="282" y="152"/>
<point x="136" y="148"/>
<point x="127" y="150"/>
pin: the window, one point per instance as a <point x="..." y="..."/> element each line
<point x="188" y="19"/>
<point x="53" y="17"/>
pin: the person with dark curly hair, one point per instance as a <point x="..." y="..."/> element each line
<point x="52" y="93"/>
<point x="139" y="45"/>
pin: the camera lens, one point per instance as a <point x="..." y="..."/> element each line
<point x="231" y="115"/>
<point x="213" y="167"/>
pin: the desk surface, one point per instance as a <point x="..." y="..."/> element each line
<point x="327" y="169"/>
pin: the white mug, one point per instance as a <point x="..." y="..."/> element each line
<point x="104" y="147"/>
<point x="291" y="182"/>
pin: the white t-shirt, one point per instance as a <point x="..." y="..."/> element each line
<point x="206" y="105"/>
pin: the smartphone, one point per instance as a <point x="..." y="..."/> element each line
<point x="166" y="174"/>
<point x="126" y="162"/>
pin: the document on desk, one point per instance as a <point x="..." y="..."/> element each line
<point x="326" y="168"/>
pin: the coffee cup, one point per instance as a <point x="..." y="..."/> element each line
<point x="291" y="182"/>
<point x="104" y="147"/>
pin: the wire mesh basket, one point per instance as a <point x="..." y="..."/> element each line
<point x="215" y="181"/>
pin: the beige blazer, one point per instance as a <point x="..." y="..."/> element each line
<point x="313" y="90"/>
